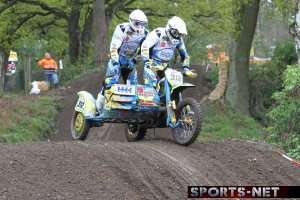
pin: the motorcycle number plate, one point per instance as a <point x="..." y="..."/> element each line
<point x="80" y="104"/>
<point x="174" y="77"/>
<point x="124" y="89"/>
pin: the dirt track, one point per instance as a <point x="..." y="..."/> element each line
<point x="107" y="167"/>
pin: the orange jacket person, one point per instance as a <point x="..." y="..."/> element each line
<point x="49" y="67"/>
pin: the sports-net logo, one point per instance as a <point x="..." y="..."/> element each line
<point x="243" y="192"/>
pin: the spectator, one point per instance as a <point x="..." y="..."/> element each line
<point x="49" y="68"/>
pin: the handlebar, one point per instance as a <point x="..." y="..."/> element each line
<point x="160" y="67"/>
<point x="157" y="67"/>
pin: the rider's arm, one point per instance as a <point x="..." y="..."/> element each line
<point x="149" y="42"/>
<point x="138" y="54"/>
<point x="116" y="42"/>
<point x="185" y="58"/>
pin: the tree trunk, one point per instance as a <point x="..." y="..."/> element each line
<point x="237" y="93"/>
<point x="86" y="35"/>
<point x="27" y="69"/>
<point x="73" y="31"/>
<point x="100" y="57"/>
<point x="4" y="62"/>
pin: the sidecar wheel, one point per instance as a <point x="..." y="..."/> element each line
<point x="189" y="114"/>
<point x="79" y="126"/>
<point x="133" y="133"/>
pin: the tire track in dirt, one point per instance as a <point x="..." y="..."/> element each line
<point x="154" y="169"/>
<point x="106" y="167"/>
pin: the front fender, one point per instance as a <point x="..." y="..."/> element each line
<point x="180" y="87"/>
<point x="86" y="104"/>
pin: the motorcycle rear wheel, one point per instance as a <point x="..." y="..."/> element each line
<point x="79" y="126"/>
<point x="188" y="112"/>
<point x="132" y="132"/>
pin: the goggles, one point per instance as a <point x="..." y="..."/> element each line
<point x="175" y="33"/>
<point x="138" y="23"/>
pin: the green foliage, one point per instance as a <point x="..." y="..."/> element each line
<point x="212" y="76"/>
<point x="265" y="79"/>
<point x="27" y="120"/>
<point x="221" y="122"/>
<point x="28" y="22"/>
<point x="283" y="8"/>
<point x="285" y="53"/>
<point x="71" y="72"/>
<point x="285" y="115"/>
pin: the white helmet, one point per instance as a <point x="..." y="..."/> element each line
<point x="175" y="29"/>
<point x="137" y="21"/>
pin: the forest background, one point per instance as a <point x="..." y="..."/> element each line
<point x="79" y="31"/>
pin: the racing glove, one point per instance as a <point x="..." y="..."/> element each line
<point x="187" y="72"/>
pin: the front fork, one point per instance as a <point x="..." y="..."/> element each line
<point x="171" y="106"/>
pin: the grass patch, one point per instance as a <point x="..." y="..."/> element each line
<point x="220" y="122"/>
<point x="27" y="117"/>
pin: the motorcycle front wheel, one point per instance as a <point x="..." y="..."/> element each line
<point x="188" y="113"/>
<point x="79" y="126"/>
<point x="132" y="132"/>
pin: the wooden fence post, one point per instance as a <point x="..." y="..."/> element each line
<point x="27" y="70"/>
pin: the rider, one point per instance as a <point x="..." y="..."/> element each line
<point x="160" y="46"/>
<point x="124" y="45"/>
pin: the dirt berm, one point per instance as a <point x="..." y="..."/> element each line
<point x="105" y="166"/>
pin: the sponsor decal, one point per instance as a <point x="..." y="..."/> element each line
<point x="124" y="89"/>
<point x="129" y="46"/>
<point x="146" y="92"/>
<point x="163" y="44"/>
<point x="115" y="106"/>
<point x="146" y="101"/>
<point x="165" y="54"/>
<point x="146" y="108"/>
<point x="122" y="99"/>
<point x="149" y="103"/>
